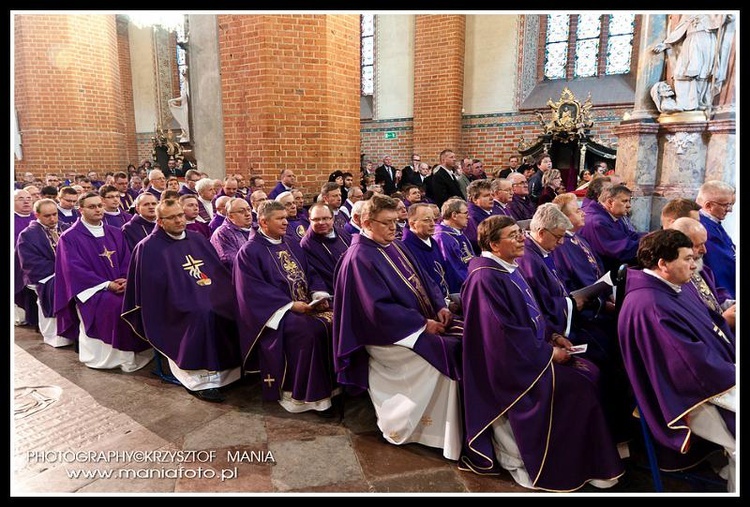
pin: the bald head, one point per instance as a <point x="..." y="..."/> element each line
<point x="697" y="233"/>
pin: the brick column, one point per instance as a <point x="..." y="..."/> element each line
<point x="438" y="84"/>
<point x="290" y="95"/>
<point x="68" y="93"/>
<point x="126" y="75"/>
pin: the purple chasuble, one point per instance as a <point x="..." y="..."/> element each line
<point x="296" y="228"/>
<point x="22" y="295"/>
<point x="178" y="298"/>
<point x="70" y="220"/>
<point x="117" y="220"/>
<point x="429" y="258"/>
<point x="216" y="222"/>
<point x="277" y="190"/>
<point x="201" y="228"/>
<point x="457" y="252"/>
<point x="323" y="253"/>
<point x="499" y="209"/>
<point x="137" y="229"/>
<point x="674" y="366"/>
<point x="609" y="239"/>
<point x="84" y="261"/>
<point x="521" y="207"/>
<point x="227" y="240"/>
<point x="553" y="409"/>
<point x="297" y="356"/>
<point x="721" y="255"/>
<point x="576" y="264"/>
<point x="36" y="256"/>
<point x="380" y="298"/>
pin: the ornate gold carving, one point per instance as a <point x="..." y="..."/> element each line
<point x="570" y="119"/>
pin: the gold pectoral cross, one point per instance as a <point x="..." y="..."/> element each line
<point x="108" y="254"/>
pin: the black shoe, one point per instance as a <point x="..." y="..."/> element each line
<point x="212" y="395"/>
<point x="328" y="413"/>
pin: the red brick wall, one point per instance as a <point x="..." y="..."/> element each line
<point x="68" y="93"/>
<point x="126" y="78"/>
<point x="438" y="82"/>
<point x="290" y="93"/>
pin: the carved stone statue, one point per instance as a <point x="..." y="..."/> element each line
<point x="179" y="109"/>
<point x="663" y="96"/>
<point x="697" y="56"/>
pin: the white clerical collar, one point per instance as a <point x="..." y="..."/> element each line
<point x="96" y="230"/>
<point x="112" y="213"/>
<point x="501" y="204"/>
<point x="507" y="265"/>
<point x="545" y="253"/>
<point x="188" y="222"/>
<point x="66" y="212"/>
<point x="426" y="241"/>
<point x="457" y="231"/>
<point x="147" y="220"/>
<point x="22" y="216"/>
<point x="331" y="235"/>
<point x="355" y="225"/>
<point x="273" y="241"/>
<point x="653" y="273"/>
<point x="401" y="224"/>
<point x="368" y="236"/>
<point x="178" y="237"/>
<point x="709" y="216"/>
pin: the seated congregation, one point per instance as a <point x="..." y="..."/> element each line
<point x="460" y="312"/>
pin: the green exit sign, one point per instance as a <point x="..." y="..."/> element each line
<point x="390" y="135"/>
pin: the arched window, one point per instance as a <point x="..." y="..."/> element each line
<point x="587" y="45"/>
<point x="367" y="61"/>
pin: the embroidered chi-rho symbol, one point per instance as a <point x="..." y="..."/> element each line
<point x="193" y="267"/>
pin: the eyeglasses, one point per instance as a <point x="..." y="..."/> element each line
<point x="321" y="219"/>
<point x="389" y="223"/>
<point x="515" y="236"/>
<point x="725" y="205"/>
<point x="559" y="238"/>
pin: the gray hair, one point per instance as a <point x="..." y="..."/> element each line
<point x="203" y="184"/>
<point x="267" y="207"/>
<point x="283" y="194"/>
<point x="42" y="202"/>
<point x="549" y="216"/>
<point x="713" y="189"/>
<point x="357" y="208"/>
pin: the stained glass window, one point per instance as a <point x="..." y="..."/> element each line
<point x="582" y="51"/>
<point x="367" y="31"/>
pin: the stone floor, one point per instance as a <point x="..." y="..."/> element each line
<point x="73" y="426"/>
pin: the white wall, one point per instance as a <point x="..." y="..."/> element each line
<point x="490" y="63"/>
<point x="144" y="78"/>
<point x="394" y="66"/>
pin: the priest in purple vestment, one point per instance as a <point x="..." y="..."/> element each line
<point x="682" y="366"/>
<point x="529" y="406"/>
<point x="90" y="268"/>
<point x="193" y="221"/>
<point x="178" y="299"/>
<point x="26" y="310"/>
<point x="394" y="336"/>
<point x="298" y="224"/>
<point x="286" y="182"/>
<point x="521" y="206"/>
<point x="67" y="199"/>
<point x="502" y="193"/>
<point x="417" y="239"/>
<point x="36" y="256"/>
<point x="702" y="285"/>
<point x="143" y="222"/>
<point x="480" y="207"/>
<point x="716" y="199"/>
<point x="113" y="214"/>
<point x="282" y="334"/>
<point x="453" y="243"/>
<point x="607" y="230"/>
<point x="229" y="237"/>
<point x="323" y="243"/>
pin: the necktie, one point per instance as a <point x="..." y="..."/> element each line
<point x="390" y="173"/>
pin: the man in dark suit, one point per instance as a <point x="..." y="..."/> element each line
<point x="385" y="175"/>
<point x="444" y="184"/>
<point x="410" y="172"/>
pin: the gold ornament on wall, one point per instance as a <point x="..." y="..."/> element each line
<point x="570" y="120"/>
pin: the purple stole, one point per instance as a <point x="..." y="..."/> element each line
<point x="457" y="252"/>
<point x="576" y="264"/>
<point x="126" y="201"/>
<point x="429" y="257"/>
<point x="35" y="253"/>
<point x="340" y="219"/>
<point x="296" y="228"/>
